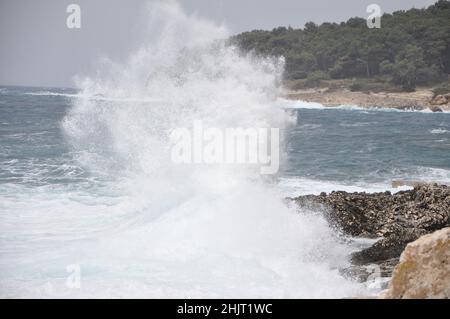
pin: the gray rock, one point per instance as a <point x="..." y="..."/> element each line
<point x="387" y="248"/>
<point x="398" y="218"/>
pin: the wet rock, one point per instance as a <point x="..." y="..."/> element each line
<point x="398" y="218"/>
<point x="414" y="107"/>
<point x="387" y="248"/>
<point x="426" y="207"/>
<point x="362" y="273"/>
<point x="435" y="109"/>
<point x="424" y="269"/>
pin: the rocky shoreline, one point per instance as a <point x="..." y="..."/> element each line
<point x="394" y="219"/>
<point x="421" y="99"/>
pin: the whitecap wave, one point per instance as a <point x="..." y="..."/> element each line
<point x="299" y="104"/>
<point x="99" y="97"/>
<point x="298" y="186"/>
<point x="439" y="131"/>
<point x="155" y="229"/>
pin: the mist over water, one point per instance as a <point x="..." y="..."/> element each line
<point x="110" y="200"/>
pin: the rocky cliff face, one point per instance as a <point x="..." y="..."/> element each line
<point x="424" y="269"/>
<point x="398" y="218"/>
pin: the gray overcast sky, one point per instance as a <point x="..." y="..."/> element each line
<point x="37" y="48"/>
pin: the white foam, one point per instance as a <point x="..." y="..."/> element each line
<point x="90" y="97"/>
<point x="155" y="229"/>
<point x="439" y="131"/>
<point x="299" y="104"/>
<point x="432" y="174"/>
<point x="297" y="186"/>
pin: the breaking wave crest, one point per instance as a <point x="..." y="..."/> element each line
<point x="150" y="228"/>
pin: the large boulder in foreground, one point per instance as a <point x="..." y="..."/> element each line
<point x="424" y="269"/>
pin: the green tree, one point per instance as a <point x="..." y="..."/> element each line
<point x="406" y="67"/>
<point x="412" y="47"/>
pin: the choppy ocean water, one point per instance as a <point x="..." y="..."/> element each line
<point x="356" y="149"/>
<point x="146" y="236"/>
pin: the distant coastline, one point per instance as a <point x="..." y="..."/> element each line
<point x="421" y="99"/>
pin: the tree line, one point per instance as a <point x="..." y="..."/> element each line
<point x="411" y="48"/>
